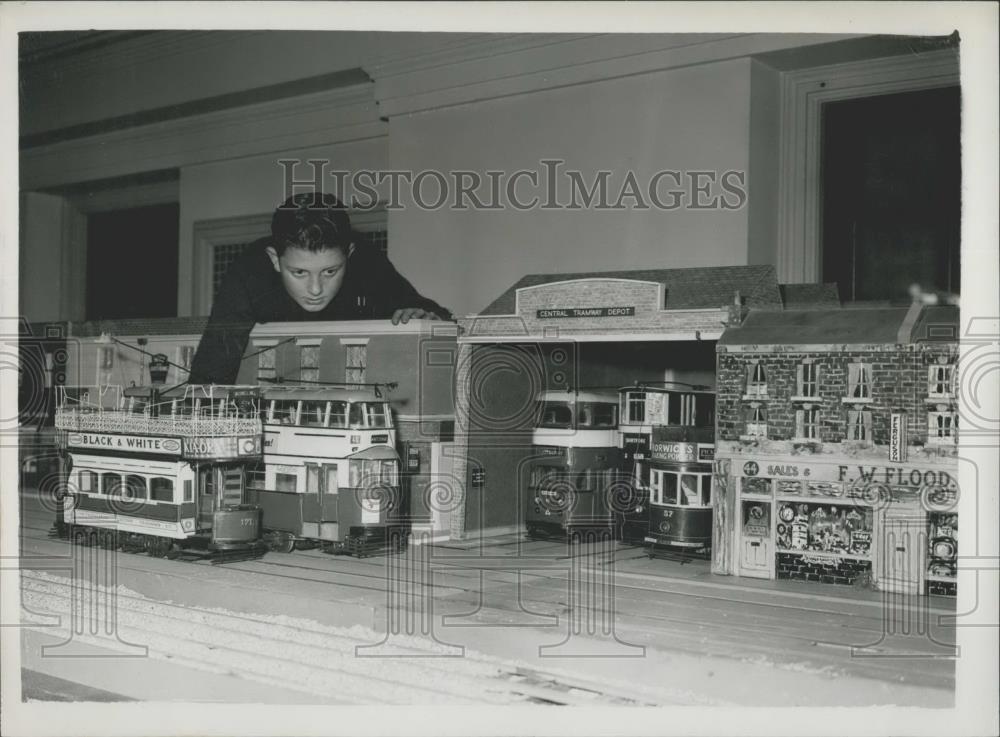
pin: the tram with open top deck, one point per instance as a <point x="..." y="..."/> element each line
<point x="667" y="439"/>
<point x="330" y="473"/>
<point x="575" y="463"/>
<point x="161" y="470"/>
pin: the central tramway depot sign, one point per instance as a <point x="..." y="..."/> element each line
<point x="563" y="312"/>
<point x="129" y="443"/>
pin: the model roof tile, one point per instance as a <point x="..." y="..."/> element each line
<point x="692" y="288"/>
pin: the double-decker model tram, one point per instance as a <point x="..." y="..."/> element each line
<point x="667" y="437"/>
<point x="330" y="474"/>
<point x="162" y="471"/>
<point x="575" y="464"/>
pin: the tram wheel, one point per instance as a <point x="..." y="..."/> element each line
<point x="280" y="542"/>
<point x="158" y="547"/>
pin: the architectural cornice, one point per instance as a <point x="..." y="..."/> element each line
<point x="336" y="116"/>
<point x="499" y="67"/>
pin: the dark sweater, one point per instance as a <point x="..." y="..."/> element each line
<point x="252" y="292"/>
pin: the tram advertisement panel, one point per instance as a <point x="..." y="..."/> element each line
<point x="133" y="443"/>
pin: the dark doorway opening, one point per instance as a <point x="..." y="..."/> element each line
<point x="892" y="194"/>
<point x="132" y="262"/>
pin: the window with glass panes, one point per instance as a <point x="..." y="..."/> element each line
<point x="757" y="421"/>
<point x="807" y="423"/>
<point x="942" y="427"/>
<point x="309" y="363"/>
<point x="756" y="380"/>
<point x="859" y="426"/>
<point x="265" y="363"/>
<point x="635" y="407"/>
<point x="939" y="380"/>
<point x="808" y="380"/>
<point x="859" y="381"/>
<point x="356" y="363"/>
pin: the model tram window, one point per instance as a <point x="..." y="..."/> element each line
<point x="544" y="477"/>
<point x="598" y="415"/>
<point x="111" y="484"/>
<point x="313" y="414"/>
<point x="939" y="380"/>
<point x="265" y="364"/>
<point x="368" y="473"/>
<point x="635" y="407"/>
<point x="135" y="487"/>
<point x="808" y="380"/>
<point x="369" y="414"/>
<point x="286" y="482"/>
<point x="756" y="381"/>
<point x="557" y="415"/>
<point x="161" y="489"/>
<point x="86" y="481"/>
<point x="859" y="381"/>
<point x="338" y="414"/>
<point x="284" y="411"/>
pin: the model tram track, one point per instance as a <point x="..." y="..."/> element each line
<point x="237" y="637"/>
<point x="720" y="635"/>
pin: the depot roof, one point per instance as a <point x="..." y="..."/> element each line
<point x="685" y="289"/>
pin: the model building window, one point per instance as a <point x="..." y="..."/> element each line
<point x="859" y="426"/>
<point x="942" y="427"/>
<point x="757" y="422"/>
<point x="357" y="362"/>
<point x="807" y="424"/>
<point x="756" y="381"/>
<point x="309" y="363"/>
<point x="940" y="380"/>
<point x="265" y="364"/>
<point x="185" y="354"/>
<point x="859" y="381"/>
<point x="808" y="384"/>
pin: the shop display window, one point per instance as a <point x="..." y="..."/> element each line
<point x="756" y="486"/>
<point x="827" y="528"/>
<point x="789" y="488"/>
<point x="756" y="519"/>
<point x="942" y="540"/>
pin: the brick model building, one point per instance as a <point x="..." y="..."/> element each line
<point x="836" y="447"/>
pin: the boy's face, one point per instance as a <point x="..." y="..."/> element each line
<point x="312" y="278"/>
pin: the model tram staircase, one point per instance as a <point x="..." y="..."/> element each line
<point x="232" y="487"/>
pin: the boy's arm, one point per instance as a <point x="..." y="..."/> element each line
<point x="217" y="360"/>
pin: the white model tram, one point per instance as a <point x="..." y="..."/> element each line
<point x="331" y="471"/>
<point x="161" y="471"/>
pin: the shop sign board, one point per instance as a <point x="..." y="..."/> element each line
<point x="856" y="474"/>
<point x="636" y="443"/>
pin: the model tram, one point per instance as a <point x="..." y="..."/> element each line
<point x="667" y="436"/>
<point x="161" y="471"/>
<point x="330" y="473"/>
<point x="575" y="463"/>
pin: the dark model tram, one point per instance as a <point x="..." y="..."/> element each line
<point x="575" y="465"/>
<point x="330" y="474"/>
<point x="667" y="436"/>
<point x="161" y="471"/>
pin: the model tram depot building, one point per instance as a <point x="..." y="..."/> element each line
<point x="836" y="447"/>
<point x="586" y="331"/>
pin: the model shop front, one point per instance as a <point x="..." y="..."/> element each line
<point x="845" y="522"/>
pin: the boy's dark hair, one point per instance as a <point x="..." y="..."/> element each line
<point x="312" y="221"/>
